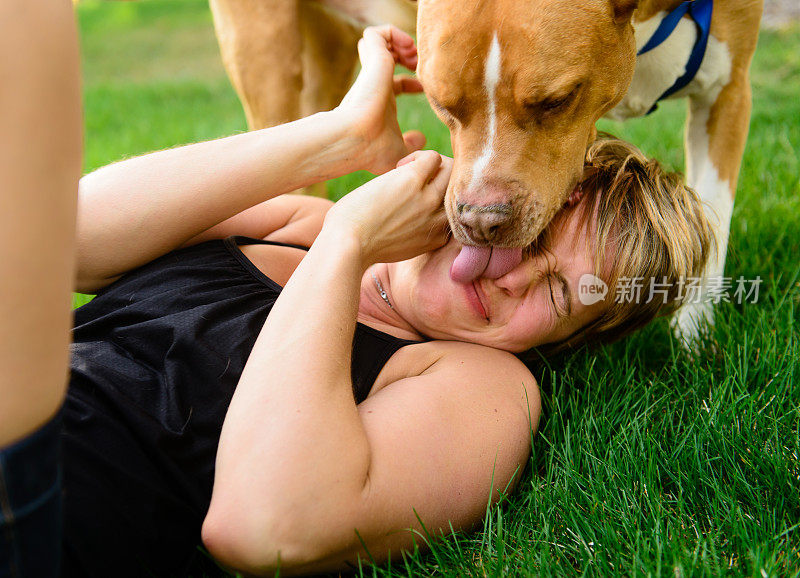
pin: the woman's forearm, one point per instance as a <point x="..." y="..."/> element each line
<point x="293" y="441"/>
<point x="136" y="210"/>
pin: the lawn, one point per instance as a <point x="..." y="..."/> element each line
<point x="650" y="460"/>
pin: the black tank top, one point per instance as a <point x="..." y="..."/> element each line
<point x="156" y="357"/>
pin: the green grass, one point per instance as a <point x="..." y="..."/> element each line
<point x="649" y="460"/>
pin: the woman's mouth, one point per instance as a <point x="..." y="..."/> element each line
<point x="475" y="300"/>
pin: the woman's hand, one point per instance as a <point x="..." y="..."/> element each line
<point x="400" y="214"/>
<point x="370" y="105"/>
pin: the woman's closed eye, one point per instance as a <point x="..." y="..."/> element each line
<point x="559" y="295"/>
<point x="557" y="287"/>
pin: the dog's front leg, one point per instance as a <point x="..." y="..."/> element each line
<point x="716" y="133"/>
<point x="261" y="46"/>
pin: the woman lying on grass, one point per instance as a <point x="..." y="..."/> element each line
<point x="379" y="395"/>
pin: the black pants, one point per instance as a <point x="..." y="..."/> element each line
<point x="30" y="505"/>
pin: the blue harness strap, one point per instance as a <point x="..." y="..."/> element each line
<point x="700" y="12"/>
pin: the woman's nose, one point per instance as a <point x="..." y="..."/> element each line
<point x="522" y="277"/>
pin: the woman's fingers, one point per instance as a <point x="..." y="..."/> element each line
<point x="444" y="165"/>
<point x="410" y="158"/>
<point x="403" y="83"/>
<point x="441" y="179"/>
<point x="414" y="141"/>
<point x="399" y="43"/>
<point x="372" y="57"/>
<point x="399" y="214"/>
<point x="372" y="96"/>
<point x="378" y="41"/>
<point x="425" y="164"/>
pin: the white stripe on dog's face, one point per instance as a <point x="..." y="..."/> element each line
<point x="491" y="76"/>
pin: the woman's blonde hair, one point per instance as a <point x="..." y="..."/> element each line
<point x="657" y="229"/>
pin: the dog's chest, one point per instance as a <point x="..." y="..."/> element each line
<point x="657" y="70"/>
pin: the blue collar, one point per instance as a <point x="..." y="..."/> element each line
<point x="700" y="12"/>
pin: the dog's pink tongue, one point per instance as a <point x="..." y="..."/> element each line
<point x="491" y="262"/>
<point x="502" y="261"/>
<point x="470" y="263"/>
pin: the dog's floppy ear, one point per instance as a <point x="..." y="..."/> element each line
<point x="623" y="10"/>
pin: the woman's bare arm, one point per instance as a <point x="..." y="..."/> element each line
<point x="432" y="449"/>
<point x="136" y="210"/>
<point x="133" y="211"/>
<point x="295" y="219"/>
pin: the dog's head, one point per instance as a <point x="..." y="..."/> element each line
<point x="520" y="84"/>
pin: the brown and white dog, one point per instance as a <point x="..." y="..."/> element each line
<point x="520" y="84"/>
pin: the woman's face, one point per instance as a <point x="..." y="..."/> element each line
<point x="535" y="303"/>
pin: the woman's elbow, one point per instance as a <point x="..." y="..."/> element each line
<point x="233" y="548"/>
<point x="238" y="547"/>
<point x="258" y="547"/>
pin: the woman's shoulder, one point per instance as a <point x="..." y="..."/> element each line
<point x="478" y="360"/>
<point x="466" y="351"/>
<point x="463" y="380"/>
<point x="466" y="363"/>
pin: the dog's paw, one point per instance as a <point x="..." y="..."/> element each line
<point x="690" y="320"/>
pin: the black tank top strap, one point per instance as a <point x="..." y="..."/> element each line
<point x="243" y="240"/>
<point x="371" y="348"/>
<point x="233" y="243"/>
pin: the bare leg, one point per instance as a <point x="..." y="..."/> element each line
<point x="40" y="164"/>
